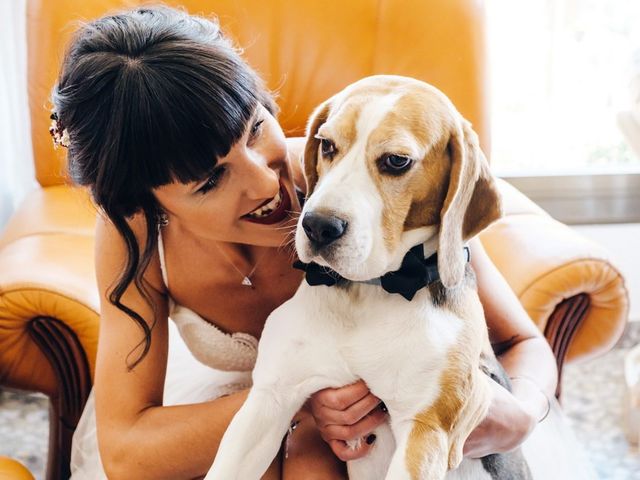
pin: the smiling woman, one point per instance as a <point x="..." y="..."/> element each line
<point x="128" y="167"/>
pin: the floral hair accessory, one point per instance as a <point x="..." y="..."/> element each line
<point x="60" y="135"/>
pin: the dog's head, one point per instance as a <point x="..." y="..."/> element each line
<point x="390" y="163"/>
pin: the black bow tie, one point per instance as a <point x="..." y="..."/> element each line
<point x="416" y="272"/>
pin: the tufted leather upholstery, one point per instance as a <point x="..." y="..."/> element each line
<point x="306" y="50"/>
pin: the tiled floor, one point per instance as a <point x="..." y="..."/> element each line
<point x="24" y="428"/>
<point x="593" y="396"/>
<point x="592" y="399"/>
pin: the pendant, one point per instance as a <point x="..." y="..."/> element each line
<point x="246" y="282"/>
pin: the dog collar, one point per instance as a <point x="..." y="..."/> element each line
<point x="415" y="272"/>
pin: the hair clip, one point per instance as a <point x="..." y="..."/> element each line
<point x="60" y="136"/>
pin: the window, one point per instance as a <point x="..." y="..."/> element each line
<point x="562" y="75"/>
<point x="565" y="104"/>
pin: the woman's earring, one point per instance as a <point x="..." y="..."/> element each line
<point x="163" y="219"/>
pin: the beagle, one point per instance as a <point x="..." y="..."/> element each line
<point x="394" y="175"/>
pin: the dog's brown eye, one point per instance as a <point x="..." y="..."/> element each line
<point x="395" y="163"/>
<point x="328" y="148"/>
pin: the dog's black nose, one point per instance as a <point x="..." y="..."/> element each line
<point x="323" y="229"/>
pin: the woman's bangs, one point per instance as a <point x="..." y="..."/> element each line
<point x="205" y="121"/>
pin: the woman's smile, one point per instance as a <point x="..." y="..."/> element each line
<point x="271" y="211"/>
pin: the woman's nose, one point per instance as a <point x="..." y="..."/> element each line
<point x="262" y="179"/>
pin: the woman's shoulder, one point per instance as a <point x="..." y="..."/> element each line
<point x="112" y="252"/>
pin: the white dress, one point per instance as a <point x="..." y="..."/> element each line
<point x="205" y="363"/>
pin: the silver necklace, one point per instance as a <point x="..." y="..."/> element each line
<point x="163" y="221"/>
<point x="246" y="279"/>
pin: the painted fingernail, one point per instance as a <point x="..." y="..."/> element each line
<point x="370" y="439"/>
<point x="383" y="407"/>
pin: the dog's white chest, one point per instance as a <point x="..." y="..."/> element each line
<point x="398" y="347"/>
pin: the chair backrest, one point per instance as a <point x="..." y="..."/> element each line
<point x="306" y="50"/>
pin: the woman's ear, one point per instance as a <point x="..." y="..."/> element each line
<point x="310" y="160"/>
<point x="472" y="202"/>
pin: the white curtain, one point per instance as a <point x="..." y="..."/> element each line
<point x="16" y="157"/>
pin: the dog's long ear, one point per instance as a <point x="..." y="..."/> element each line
<point x="318" y="117"/>
<point x="472" y="202"/>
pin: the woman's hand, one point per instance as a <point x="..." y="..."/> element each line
<point x="507" y="424"/>
<point x="347" y="413"/>
<point x="307" y="456"/>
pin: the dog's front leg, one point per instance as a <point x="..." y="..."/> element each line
<point x="253" y="437"/>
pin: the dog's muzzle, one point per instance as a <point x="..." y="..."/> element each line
<point x="322" y="229"/>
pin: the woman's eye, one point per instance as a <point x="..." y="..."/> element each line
<point x="396" y="163"/>
<point x="328" y="148"/>
<point x="212" y="181"/>
<point x="255" y="130"/>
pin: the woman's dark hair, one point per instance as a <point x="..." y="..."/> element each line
<point x="149" y="96"/>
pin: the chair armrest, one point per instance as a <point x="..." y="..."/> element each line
<point x="49" y="328"/>
<point x="566" y="282"/>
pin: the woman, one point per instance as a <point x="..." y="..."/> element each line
<point x="177" y="140"/>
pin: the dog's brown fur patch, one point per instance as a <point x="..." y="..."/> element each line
<point x="428" y="437"/>
<point x="418" y="120"/>
<point x="310" y="158"/>
<point x="445" y="425"/>
<point x="342" y="129"/>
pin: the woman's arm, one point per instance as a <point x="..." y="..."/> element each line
<point x="138" y="437"/>
<point x="525" y="355"/>
<point x="521" y="348"/>
<point x="306" y="454"/>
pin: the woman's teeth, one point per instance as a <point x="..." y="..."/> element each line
<point x="268" y="208"/>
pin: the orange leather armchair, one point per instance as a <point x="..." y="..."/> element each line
<point x="306" y="51"/>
